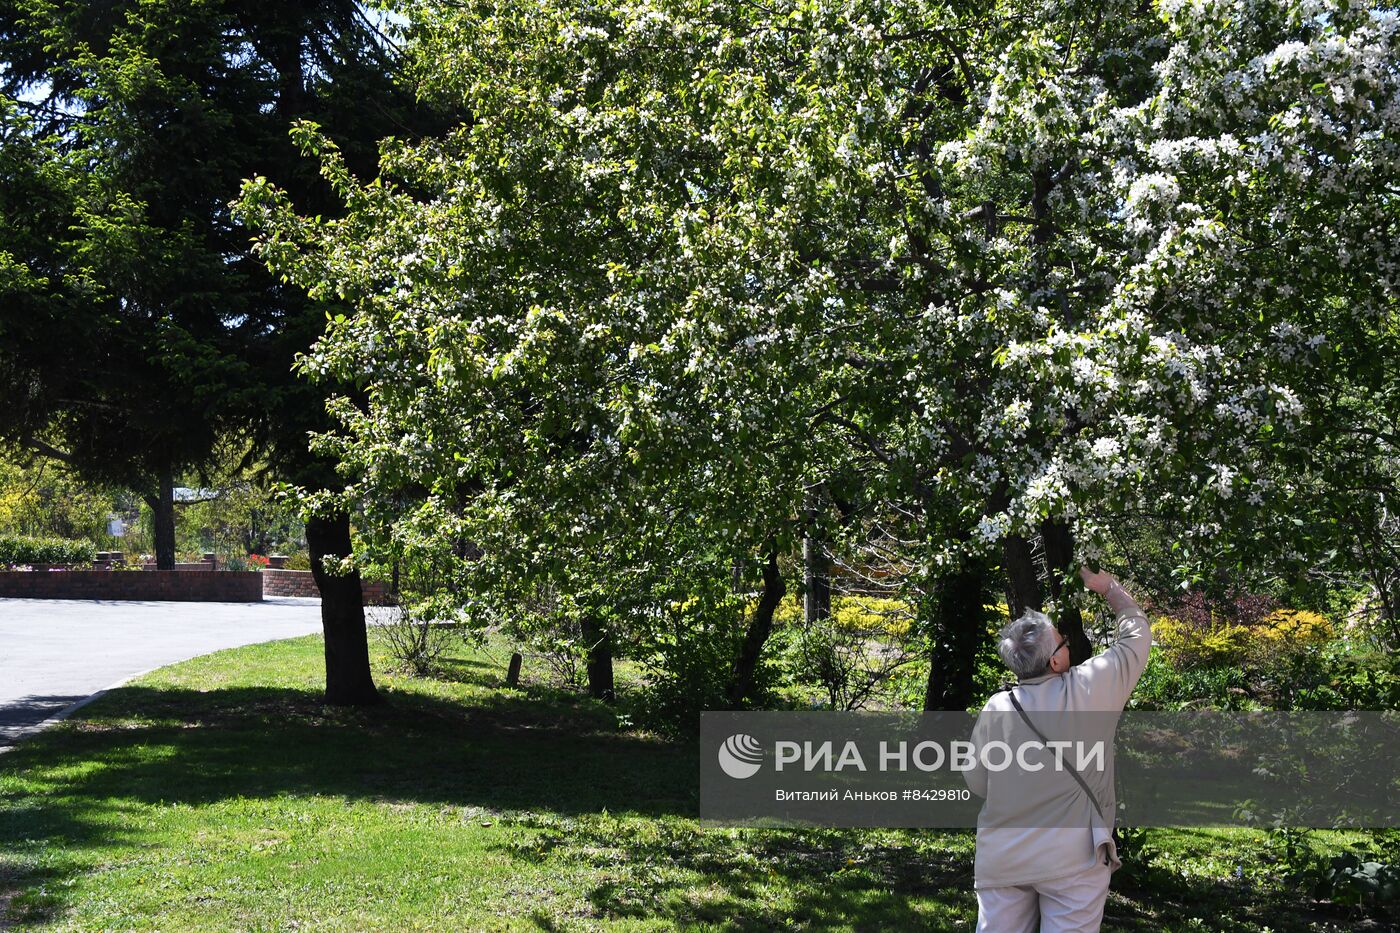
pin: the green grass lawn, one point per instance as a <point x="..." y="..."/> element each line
<point x="219" y="794"/>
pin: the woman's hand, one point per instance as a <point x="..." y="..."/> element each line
<point x="1099" y="581"/>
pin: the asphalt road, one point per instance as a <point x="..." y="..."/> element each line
<point x="57" y="652"/>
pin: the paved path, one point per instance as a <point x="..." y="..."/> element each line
<point x="56" y="652"/>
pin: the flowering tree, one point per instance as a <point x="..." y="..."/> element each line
<point x="1020" y="277"/>
<point x="558" y="397"/>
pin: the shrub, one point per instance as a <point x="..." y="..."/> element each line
<point x="1202" y="611"/>
<point x="411" y="636"/>
<point x="298" y="561"/>
<point x="689" y="674"/>
<point x="1296" y="625"/>
<point x="1165" y="687"/>
<point x="1365" y="876"/>
<point x="1287" y="632"/>
<point x="686" y="649"/>
<point x="1356" y="880"/>
<point x="1335" y="676"/>
<point x="549" y="628"/>
<point x="21" y="549"/>
<point x="234" y="562"/>
<point x="853" y="654"/>
<point x="1310" y="675"/>
<point x="557" y="639"/>
<point x="1187" y="646"/>
<point x="857" y="613"/>
<point x="1189" y="643"/>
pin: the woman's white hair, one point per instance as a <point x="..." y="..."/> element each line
<point x="1027" y="643"/>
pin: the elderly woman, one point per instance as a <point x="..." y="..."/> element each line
<point x="1045" y="845"/>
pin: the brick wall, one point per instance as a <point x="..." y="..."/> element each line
<point x="375" y="593"/>
<point x="302" y="583"/>
<point x="171" y="585"/>
<point x="158" y="585"/>
<point x="289" y="583"/>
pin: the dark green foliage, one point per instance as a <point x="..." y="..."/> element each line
<point x="1365" y="877"/>
<point x="39" y="499"/>
<point x="156" y="112"/>
<point x="689" y="673"/>
<point x="1164" y="688"/>
<point x="1338" y="676"/>
<point x="20" y="549"/>
<point x="138" y="329"/>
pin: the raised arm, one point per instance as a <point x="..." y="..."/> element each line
<point x="1111" y="676"/>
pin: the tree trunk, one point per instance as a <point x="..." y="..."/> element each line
<point x="1055" y="534"/>
<point x="600" y="660"/>
<point x="162" y="506"/>
<point x="958" y="628"/>
<point x="348" y="678"/>
<point x="1059" y="557"/>
<point x="1022" y="585"/>
<point x="760" y="626"/>
<point x="816" y="572"/>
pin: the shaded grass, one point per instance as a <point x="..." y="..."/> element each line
<point x="221" y="794"/>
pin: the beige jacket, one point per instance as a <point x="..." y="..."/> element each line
<point x="1040" y="827"/>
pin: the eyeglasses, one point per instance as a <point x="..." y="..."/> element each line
<point x="1057" y="650"/>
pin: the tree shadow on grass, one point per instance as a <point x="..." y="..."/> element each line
<point x="540" y="761"/>
<point x="469" y="671"/>
<point x="1147" y="896"/>
<point x="145" y="746"/>
<point x="856" y="880"/>
<point x="500" y="752"/>
<point x="762" y="880"/>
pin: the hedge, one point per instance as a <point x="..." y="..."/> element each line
<point x="21" y="549"/>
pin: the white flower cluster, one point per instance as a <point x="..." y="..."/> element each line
<point x="1048" y="490"/>
<point x="1289" y="341"/>
<point x="645" y="22"/>
<point x="992" y="528"/>
<point x="1015" y="420"/>
<point x="575" y="34"/>
<point x="1195" y="152"/>
<point x="1157" y="189"/>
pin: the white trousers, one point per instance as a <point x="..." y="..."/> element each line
<point x="1065" y="905"/>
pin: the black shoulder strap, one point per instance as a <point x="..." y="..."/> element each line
<point x="1073" y="772"/>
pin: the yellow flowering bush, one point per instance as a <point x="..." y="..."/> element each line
<point x="1282" y="632"/>
<point x="1298" y="626"/>
<point x="869" y="614"/>
<point x="789" y="612"/>
<point x="854" y="653"/>
<point x="889" y="617"/>
<point x="1188" y="646"/>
